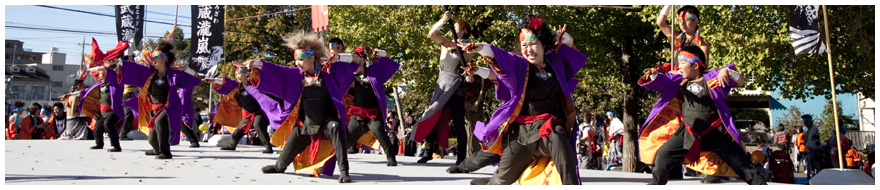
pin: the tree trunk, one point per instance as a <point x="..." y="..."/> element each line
<point x="474" y="112"/>
<point x="630" y="159"/>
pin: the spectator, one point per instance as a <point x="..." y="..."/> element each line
<point x="55" y="123"/>
<point x="15" y="121"/>
<point x="77" y="124"/>
<point x="814" y="145"/>
<point x="781" y="138"/>
<point x="801" y="148"/>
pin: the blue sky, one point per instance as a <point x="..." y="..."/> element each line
<point x="848" y="105"/>
<point x="41" y="17"/>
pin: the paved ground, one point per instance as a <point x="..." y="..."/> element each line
<point x="32" y="162"/>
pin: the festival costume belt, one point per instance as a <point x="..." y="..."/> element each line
<point x="250" y="117"/>
<point x="546" y="128"/>
<point x="158" y="108"/>
<point x="106" y="108"/>
<point x="130" y="89"/>
<point x="362" y="112"/>
<point x="314" y="145"/>
<point x="693" y="154"/>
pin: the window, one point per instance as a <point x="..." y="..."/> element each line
<point x="38" y="93"/>
<point x="57" y="84"/>
<point x="31" y="69"/>
<point x="15" y="69"/>
<point x="58" y="67"/>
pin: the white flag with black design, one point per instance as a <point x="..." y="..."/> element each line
<point x="804" y="25"/>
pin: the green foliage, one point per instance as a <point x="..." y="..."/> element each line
<point x="826" y="121"/>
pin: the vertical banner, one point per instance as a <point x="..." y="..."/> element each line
<point x="320" y="18"/>
<point x="130" y="24"/>
<point x="206" y="48"/>
<point x="804" y="26"/>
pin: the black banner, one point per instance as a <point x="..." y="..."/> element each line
<point x="206" y="47"/>
<point x="130" y="24"/>
<point x="803" y="24"/>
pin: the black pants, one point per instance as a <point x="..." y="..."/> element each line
<point x="106" y="121"/>
<point x="456" y="103"/>
<point x="188" y="131"/>
<point x="478" y="160"/>
<point x="673" y="153"/>
<point x="358" y="126"/>
<point x="298" y="141"/>
<point x="128" y="120"/>
<point x="261" y="124"/>
<point x="158" y="137"/>
<point x="517" y="156"/>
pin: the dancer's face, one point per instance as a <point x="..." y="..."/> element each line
<point x="336" y="48"/>
<point x="306" y="64"/>
<point x="688" y="25"/>
<point x="459" y="31"/>
<point x="242" y="76"/>
<point x="532" y="50"/>
<point x="687" y="69"/>
<point x="58" y="110"/>
<point x="159" y="61"/>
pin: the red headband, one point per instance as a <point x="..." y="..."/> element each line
<point x="691" y="58"/>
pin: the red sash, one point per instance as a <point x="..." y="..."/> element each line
<point x="158" y="108"/>
<point x="546" y="128"/>
<point x="371" y="113"/>
<point x="106" y="108"/>
<point x="313" y="146"/>
<point x="693" y="154"/>
<point x="250" y="117"/>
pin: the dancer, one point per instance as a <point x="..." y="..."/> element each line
<point x="534" y="126"/>
<point x="19" y="122"/>
<point x="690" y="30"/>
<point x="317" y="90"/>
<point x="110" y="95"/>
<point x="448" y="99"/>
<point x="128" y="120"/>
<point x="366" y="111"/>
<point x="702" y="115"/>
<point x="77" y="123"/>
<point x="55" y="123"/>
<point x="244" y="106"/>
<point x="158" y="102"/>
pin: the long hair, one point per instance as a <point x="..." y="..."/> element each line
<point x="307" y="40"/>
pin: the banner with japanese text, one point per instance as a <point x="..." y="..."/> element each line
<point x="206" y="47"/>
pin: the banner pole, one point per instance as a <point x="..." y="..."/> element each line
<point x="833" y="89"/>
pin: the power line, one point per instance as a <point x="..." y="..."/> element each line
<point x="158" y="13"/>
<point x="107" y="15"/>
<point x="68" y="31"/>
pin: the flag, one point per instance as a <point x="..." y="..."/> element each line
<point x="130" y="24"/>
<point x="804" y="26"/>
<point x="206" y="47"/>
<point x="320" y="18"/>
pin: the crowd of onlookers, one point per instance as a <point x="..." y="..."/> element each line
<point x="35" y="121"/>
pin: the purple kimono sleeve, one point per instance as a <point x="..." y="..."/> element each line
<point x="575" y="60"/>
<point x="383" y="69"/>
<point x="659" y="84"/>
<point x="183" y="80"/>
<point x="85" y="92"/>
<point x="507" y="61"/>
<point x="281" y="81"/>
<point x="135" y="74"/>
<point x="276" y="112"/>
<point x="132" y="103"/>
<point x="227" y="87"/>
<point x="340" y="71"/>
